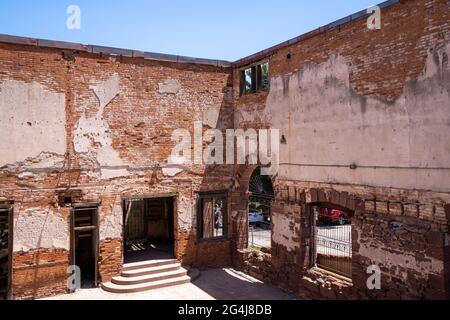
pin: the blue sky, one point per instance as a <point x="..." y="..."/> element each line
<point x="226" y="30"/>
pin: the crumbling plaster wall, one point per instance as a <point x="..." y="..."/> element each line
<point x="111" y="219"/>
<point x="40" y="228"/>
<point x="33" y="120"/>
<point x="328" y="127"/>
<point x="379" y="100"/>
<point x="113" y="118"/>
<point x="92" y="134"/>
<point x="284" y="230"/>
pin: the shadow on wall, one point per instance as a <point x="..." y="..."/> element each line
<point x="227" y="284"/>
<point x="216" y="178"/>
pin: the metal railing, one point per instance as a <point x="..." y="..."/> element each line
<point x="260" y="235"/>
<point x="334" y="246"/>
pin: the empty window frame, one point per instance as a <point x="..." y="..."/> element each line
<point x="212" y="216"/>
<point x="333" y="239"/>
<point x="255" y="78"/>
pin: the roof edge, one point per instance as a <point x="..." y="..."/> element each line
<point x="264" y="53"/>
<point x="111" y="51"/>
<point x="63" y="45"/>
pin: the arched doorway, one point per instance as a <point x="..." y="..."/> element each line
<point x="259" y="213"/>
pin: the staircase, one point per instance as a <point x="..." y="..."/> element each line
<point x="149" y="275"/>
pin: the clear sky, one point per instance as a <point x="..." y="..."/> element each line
<point x="226" y="30"/>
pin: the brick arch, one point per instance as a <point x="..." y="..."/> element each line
<point x="239" y="207"/>
<point x="335" y="200"/>
<point x="240" y="195"/>
<point x="340" y="200"/>
<point x="305" y="198"/>
<point x="317" y="196"/>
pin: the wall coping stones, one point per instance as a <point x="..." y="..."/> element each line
<point x="111" y="51"/>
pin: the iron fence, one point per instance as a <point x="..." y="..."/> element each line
<point x="334" y="241"/>
<point x="260" y="235"/>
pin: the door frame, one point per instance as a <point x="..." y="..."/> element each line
<point x="10" y="210"/>
<point x="95" y="236"/>
<point x="11" y="251"/>
<point x="173" y="223"/>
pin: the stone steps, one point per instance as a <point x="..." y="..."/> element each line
<point x="149" y="278"/>
<point x="148" y="264"/>
<point x="149" y="275"/>
<point x="145" y="271"/>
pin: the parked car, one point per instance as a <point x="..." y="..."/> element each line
<point x="333" y="216"/>
<point x="255" y="217"/>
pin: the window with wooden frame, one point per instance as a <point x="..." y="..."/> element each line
<point x="212" y="216"/>
<point x="255" y="78"/>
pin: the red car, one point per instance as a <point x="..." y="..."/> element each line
<point x="334" y="216"/>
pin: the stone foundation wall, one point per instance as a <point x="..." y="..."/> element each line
<point x="411" y="250"/>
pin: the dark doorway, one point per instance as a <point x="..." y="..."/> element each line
<point x="5" y="252"/>
<point x="85" y="244"/>
<point x="149" y="229"/>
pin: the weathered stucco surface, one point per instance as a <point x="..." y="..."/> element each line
<point x="111" y="225"/>
<point x="172" y="171"/>
<point x="32" y="121"/>
<point x="211" y="117"/>
<point x="92" y="134"/>
<point x="328" y="127"/>
<point x="283" y="231"/>
<point x="186" y="216"/>
<point x="170" y="86"/>
<point x="40" y="228"/>
<point x="377" y="251"/>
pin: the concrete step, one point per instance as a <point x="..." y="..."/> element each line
<point x="126" y="281"/>
<point x="147" y="271"/>
<point x="133" y="288"/>
<point x="148" y="264"/>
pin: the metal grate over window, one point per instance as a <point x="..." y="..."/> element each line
<point x="333" y="240"/>
<point x="259" y="216"/>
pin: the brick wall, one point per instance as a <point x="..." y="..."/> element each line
<point x="39" y="273"/>
<point x="400" y="223"/>
<point x="111" y="118"/>
<point x="410" y="251"/>
<point x="120" y="114"/>
<point x="111" y="259"/>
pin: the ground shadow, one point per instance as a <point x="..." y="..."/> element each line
<point x="227" y="284"/>
<point x="145" y="250"/>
